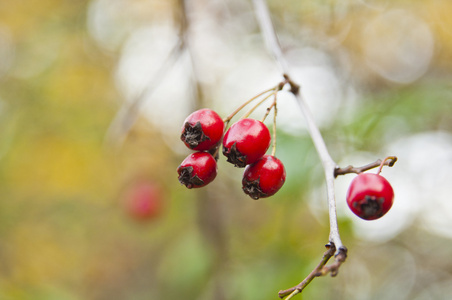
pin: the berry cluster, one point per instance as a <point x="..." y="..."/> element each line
<point x="244" y="145"/>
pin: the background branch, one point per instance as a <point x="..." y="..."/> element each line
<point x="127" y="114"/>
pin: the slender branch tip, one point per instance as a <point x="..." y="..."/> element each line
<point x="388" y="161"/>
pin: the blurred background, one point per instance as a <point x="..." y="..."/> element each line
<point x="93" y="95"/>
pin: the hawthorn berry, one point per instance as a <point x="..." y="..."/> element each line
<point x="264" y="177"/>
<point x="245" y="142"/>
<point x="202" y="130"/>
<point x="143" y="200"/>
<point x="197" y="170"/>
<point x="370" y="196"/>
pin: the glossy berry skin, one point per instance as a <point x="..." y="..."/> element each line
<point x="197" y="170"/>
<point x="370" y="196"/>
<point x="202" y="130"/>
<point x="245" y="142"/>
<point x="264" y="177"/>
<point x="143" y="201"/>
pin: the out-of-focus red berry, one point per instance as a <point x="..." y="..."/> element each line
<point x="143" y="200"/>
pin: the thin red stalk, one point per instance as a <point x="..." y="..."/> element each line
<point x="275" y="111"/>
<point x="248" y="113"/>
<point x="388" y="161"/>
<point x="238" y="109"/>
<point x="392" y="160"/>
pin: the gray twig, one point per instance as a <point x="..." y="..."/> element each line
<point x="329" y="165"/>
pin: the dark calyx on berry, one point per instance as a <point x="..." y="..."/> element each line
<point x="264" y="177"/>
<point x="234" y="156"/>
<point x="253" y="189"/>
<point x="197" y="170"/>
<point x="371" y="207"/>
<point x="193" y="135"/>
<point x="370" y="196"/>
<point x="245" y="142"/>
<point x="186" y="177"/>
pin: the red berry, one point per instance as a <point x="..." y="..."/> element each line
<point x="264" y="177"/>
<point x="202" y="130"/>
<point x="245" y="142"/>
<point x="197" y="170"/>
<point x="143" y="200"/>
<point x="370" y="196"/>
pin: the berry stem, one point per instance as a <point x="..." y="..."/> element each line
<point x="238" y="109"/>
<point x="248" y="113"/>
<point x="226" y="120"/>
<point x="275" y="112"/>
<point x="392" y="161"/>
<point x="388" y="161"/>
<point x="270" y="108"/>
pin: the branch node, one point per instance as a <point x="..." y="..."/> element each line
<point x="294" y="88"/>
<point x="321" y="270"/>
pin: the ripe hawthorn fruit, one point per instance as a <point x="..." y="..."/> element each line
<point x="197" y="170"/>
<point x="245" y="142"/>
<point x="202" y="130"/>
<point x="264" y="177"/>
<point x="370" y="196"/>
